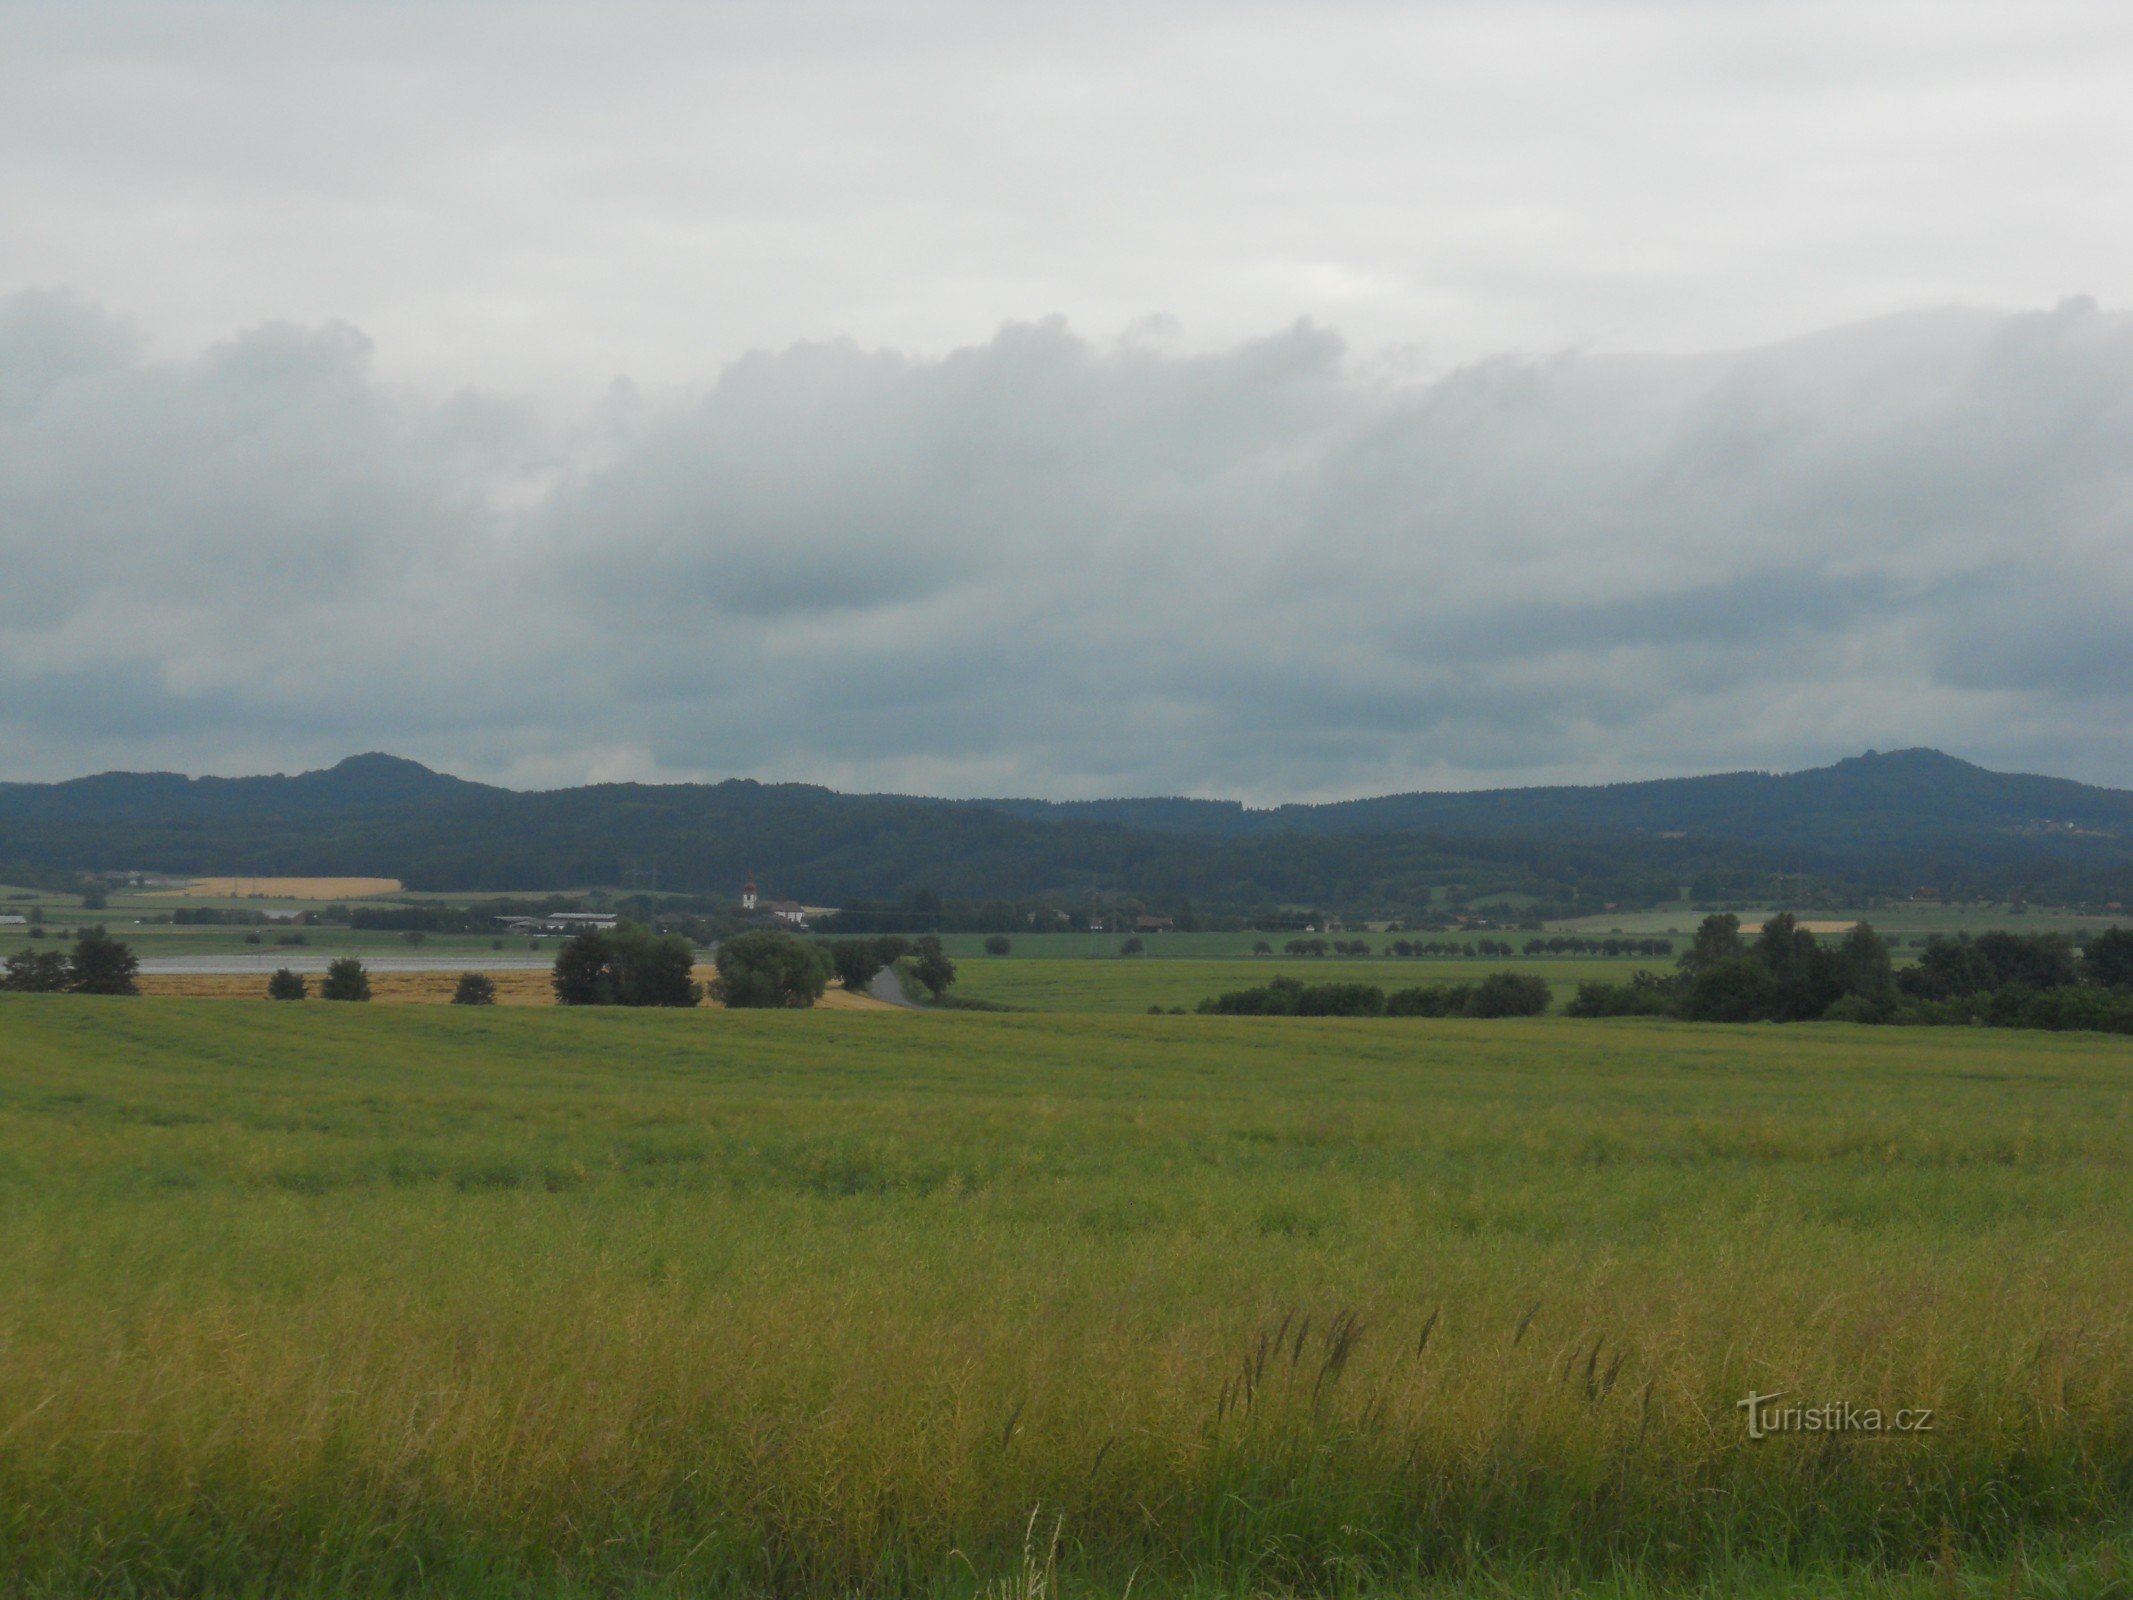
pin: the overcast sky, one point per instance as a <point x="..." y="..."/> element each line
<point x="1279" y="401"/>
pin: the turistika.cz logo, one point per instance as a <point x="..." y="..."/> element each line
<point x="1767" y="1418"/>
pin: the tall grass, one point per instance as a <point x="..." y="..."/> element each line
<point x="302" y="1301"/>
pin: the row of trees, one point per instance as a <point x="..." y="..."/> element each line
<point x="1487" y="948"/>
<point x="98" y="964"/>
<point x="1785" y="974"/>
<point x="1500" y="994"/>
<point x="630" y="965"/>
<point x="1575" y="945"/>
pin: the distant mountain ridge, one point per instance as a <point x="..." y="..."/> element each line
<point x="1886" y="820"/>
<point x="1883" y="794"/>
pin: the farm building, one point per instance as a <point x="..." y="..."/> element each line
<point x="562" y="922"/>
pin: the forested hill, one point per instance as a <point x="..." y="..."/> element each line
<point x="1905" y="799"/>
<point x="1882" y="822"/>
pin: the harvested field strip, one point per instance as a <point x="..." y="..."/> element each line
<point x="517" y="986"/>
<point x="285" y="888"/>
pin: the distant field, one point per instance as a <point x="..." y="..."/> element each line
<point x="166" y="939"/>
<point x="1132" y="985"/>
<point x="305" y="1300"/>
<point x="285" y="888"/>
<point x="1194" y="946"/>
<point x="1911" y="919"/>
<point x="515" y="987"/>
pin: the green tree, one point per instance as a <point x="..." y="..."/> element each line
<point x="345" y="980"/>
<point x="1734" y="990"/>
<point x="1717" y="940"/>
<point x="2109" y="959"/>
<point x="1865" y="972"/>
<point x="1803" y="976"/>
<point x="475" y="989"/>
<point x="584" y="972"/>
<point x="653" y="969"/>
<point x="34" y="972"/>
<point x="94" y="897"/>
<point x="102" y="965"/>
<point x="286" y="985"/>
<point x="931" y="966"/>
<point x="770" y="970"/>
<point x="627" y="966"/>
<point x="1132" y="947"/>
<point x="998" y="944"/>
<point x="856" y="962"/>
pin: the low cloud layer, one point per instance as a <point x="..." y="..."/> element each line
<point x="1045" y="566"/>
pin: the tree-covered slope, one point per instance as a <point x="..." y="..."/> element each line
<point x="1907" y="799"/>
<point x="1876" y="822"/>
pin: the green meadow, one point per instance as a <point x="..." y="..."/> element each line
<point x="335" y="1301"/>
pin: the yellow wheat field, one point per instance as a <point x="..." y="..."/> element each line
<point x="286" y="888"/>
<point x="515" y="987"/>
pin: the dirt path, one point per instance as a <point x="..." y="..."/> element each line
<point x="886" y="989"/>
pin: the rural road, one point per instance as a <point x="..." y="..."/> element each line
<point x="885" y="987"/>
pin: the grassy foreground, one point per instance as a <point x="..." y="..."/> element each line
<point x="314" y="1301"/>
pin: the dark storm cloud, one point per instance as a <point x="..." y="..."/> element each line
<point x="1040" y="564"/>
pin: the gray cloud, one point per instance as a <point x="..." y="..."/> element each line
<point x="539" y="195"/>
<point x="1043" y="564"/>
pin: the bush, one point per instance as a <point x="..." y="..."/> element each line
<point x="1857" y="1008"/>
<point x="286" y="985"/>
<point x="998" y="944"/>
<point x="1509" y="994"/>
<point x="1430" y="1000"/>
<point x="345" y="980"/>
<point x="769" y="970"/>
<point x="1133" y="947"/>
<point x="1286" y="997"/>
<point x="1642" y="996"/>
<point x="1341" y="1000"/>
<point x="475" y="989"/>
